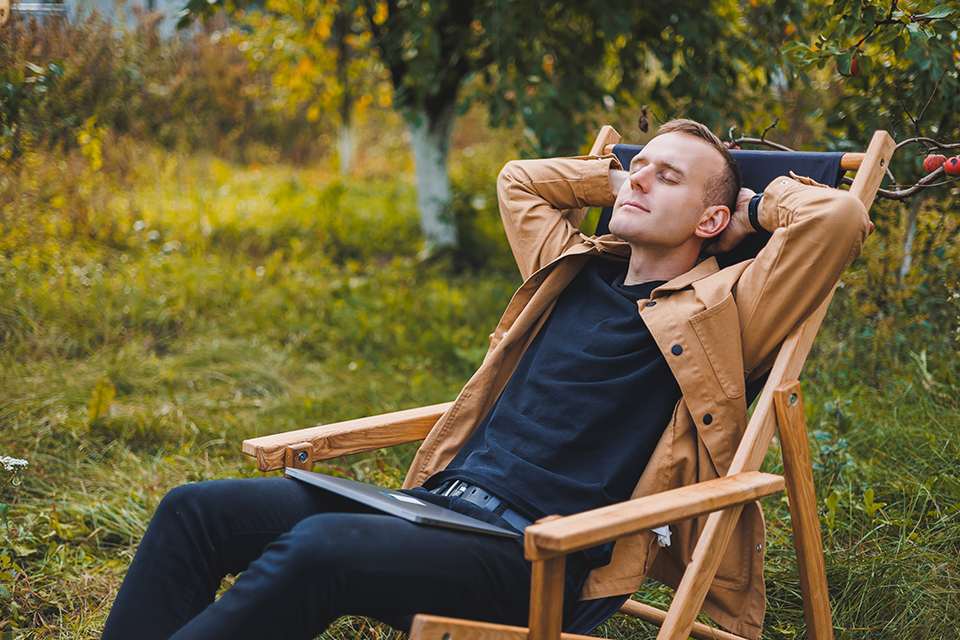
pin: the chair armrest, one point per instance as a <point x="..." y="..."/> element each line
<point x="343" y="438"/>
<point x="561" y="536"/>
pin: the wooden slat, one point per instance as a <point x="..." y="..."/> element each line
<point x="585" y="530"/>
<point x="657" y="616"/>
<point x="427" y="627"/>
<point x="344" y="438"/>
<point x="803" y="511"/>
<point x="874" y="167"/>
<point x="546" y="598"/>
<point x="606" y="140"/>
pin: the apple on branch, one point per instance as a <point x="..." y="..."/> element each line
<point x="933" y="162"/>
<point x="952" y="166"/>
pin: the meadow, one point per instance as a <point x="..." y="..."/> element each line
<point x="158" y="305"/>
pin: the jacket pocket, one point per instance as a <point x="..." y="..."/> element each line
<point x="718" y="329"/>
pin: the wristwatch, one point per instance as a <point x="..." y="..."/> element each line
<point x="754" y="215"/>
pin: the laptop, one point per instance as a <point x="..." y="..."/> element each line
<point x="399" y="504"/>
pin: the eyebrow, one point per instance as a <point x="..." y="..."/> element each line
<point x="664" y="164"/>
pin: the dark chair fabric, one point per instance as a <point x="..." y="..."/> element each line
<point x="758" y="168"/>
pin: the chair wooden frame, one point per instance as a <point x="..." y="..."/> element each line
<point x="549" y="540"/>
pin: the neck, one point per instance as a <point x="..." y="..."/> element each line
<point x="647" y="265"/>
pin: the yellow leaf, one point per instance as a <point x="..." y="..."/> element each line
<point x="313" y="113"/>
<point x="103" y="395"/>
<point x="548" y="64"/>
<point x="305" y="66"/>
<point x="381" y="13"/>
<point x="323" y="29"/>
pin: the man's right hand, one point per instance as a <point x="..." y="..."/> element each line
<point x="617" y="178"/>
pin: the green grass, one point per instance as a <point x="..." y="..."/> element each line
<point x="159" y="310"/>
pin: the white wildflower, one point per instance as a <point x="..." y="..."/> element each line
<point x="12" y="464"/>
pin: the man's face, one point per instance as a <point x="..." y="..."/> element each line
<point x="662" y="203"/>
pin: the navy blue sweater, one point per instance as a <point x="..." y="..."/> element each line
<point x="579" y="419"/>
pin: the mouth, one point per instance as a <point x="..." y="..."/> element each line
<point x="635" y="206"/>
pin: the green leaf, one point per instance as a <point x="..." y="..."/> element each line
<point x="899" y="45"/>
<point x="870" y="506"/>
<point x="917" y="34"/>
<point x="939" y="12"/>
<point x="832" y="501"/>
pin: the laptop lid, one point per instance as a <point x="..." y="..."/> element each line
<point x="399" y="504"/>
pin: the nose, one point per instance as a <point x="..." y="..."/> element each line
<point x="640" y="179"/>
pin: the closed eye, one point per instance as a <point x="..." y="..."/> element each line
<point x="668" y="179"/>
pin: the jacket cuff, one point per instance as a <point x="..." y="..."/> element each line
<point x="594" y="183"/>
<point x="770" y="203"/>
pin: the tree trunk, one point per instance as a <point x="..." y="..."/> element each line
<point x="911" y="227"/>
<point x="341" y="29"/>
<point x="430" y="138"/>
<point x="345" y="148"/>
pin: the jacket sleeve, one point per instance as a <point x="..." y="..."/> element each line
<point x="817" y="233"/>
<point x="543" y="202"/>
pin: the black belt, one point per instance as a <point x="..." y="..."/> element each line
<point x="487" y="501"/>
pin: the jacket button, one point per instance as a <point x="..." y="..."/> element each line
<point x="652" y="303"/>
<point x="707" y="419"/>
<point x="676" y="350"/>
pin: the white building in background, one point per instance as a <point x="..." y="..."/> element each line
<point x="122" y="14"/>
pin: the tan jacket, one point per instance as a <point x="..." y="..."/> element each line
<point x="727" y="323"/>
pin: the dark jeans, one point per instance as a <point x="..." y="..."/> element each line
<point x="307" y="557"/>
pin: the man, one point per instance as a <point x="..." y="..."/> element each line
<point x="617" y="370"/>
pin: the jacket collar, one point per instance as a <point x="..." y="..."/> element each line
<point x="704" y="269"/>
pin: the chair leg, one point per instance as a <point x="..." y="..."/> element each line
<point x="803" y="511"/>
<point x="546" y="598"/>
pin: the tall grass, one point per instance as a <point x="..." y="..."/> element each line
<point x="145" y="331"/>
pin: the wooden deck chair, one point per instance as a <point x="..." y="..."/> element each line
<point x="548" y="541"/>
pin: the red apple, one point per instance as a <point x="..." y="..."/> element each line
<point x="952" y="166"/>
<point x="933" y="162"/>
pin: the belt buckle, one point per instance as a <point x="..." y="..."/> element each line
<point x="454" y="489"/>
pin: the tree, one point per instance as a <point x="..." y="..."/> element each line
<point x="550" y="66"/>
<point x="896" y="66"/>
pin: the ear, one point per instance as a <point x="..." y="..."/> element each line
<point x="714" y="220"/>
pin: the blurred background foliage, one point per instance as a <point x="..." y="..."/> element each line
<point x="218" y="235"/>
